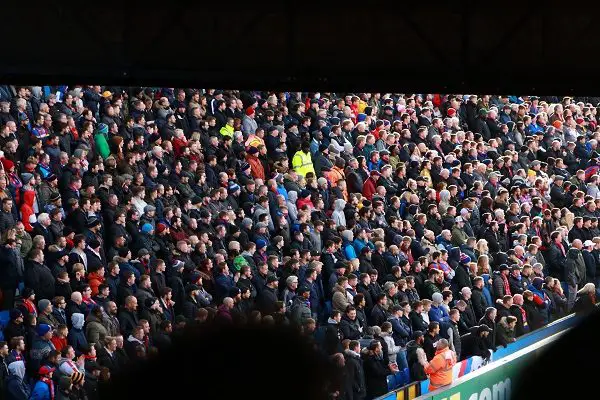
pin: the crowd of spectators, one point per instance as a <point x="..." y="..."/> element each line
<point x="394" y="231"/>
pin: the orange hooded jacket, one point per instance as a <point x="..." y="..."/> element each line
<point x="440" y="368"/>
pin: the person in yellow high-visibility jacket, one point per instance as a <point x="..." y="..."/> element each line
<point x="228" y="129"/>
<point x="302" y="161"/>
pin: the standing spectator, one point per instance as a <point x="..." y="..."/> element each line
<point x="128" y="318"/>
<point x="38" y="276"/>
<point x="15" y="327"/>
<point x="453" y="332"/>
<point x="44" y="387"/>
<point x="16" y="387"/>
<point x="41" y="346"/>
<point x="10" y="273"/>
<point x="431" y="339"/>
<point x="355" y="370"/>
<point x="376" y="371"/>
<point x="439" y="369"/>
<point x="76" y="337"/>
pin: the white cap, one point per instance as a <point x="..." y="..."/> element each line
<point x="588" y="243"/>
<point x="458" y="219"/>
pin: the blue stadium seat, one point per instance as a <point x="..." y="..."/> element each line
<point x="391" y="382"/>
<point x="4" y="319"/>
<point x="403" y="377"/>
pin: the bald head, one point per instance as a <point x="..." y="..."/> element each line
<point x="518" y="299"/>
<point x="228" y="302"/>
<point x="577" y="244"/>
<point x="76" y="297"/>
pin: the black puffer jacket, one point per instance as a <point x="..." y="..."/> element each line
<point x="414" y="353"/>
<point x="39" y="278"/>
<point x="350" y="329"/>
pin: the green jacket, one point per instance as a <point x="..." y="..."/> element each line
<point x="102" y="145"/>
<point x="459" y="237"/>
<point x="429" y="288"/>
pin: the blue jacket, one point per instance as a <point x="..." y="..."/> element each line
<point x="282" y="191"/>
<point x="438" y="314"/>
<point x="439" y="240"/>
<point x="76" y="338"/>
<point x="534" y="128"/>
<point x="360" y="244"/>
<point x="401" y="332"/>
<point x="504" y="118"/>
<point x="349" y="250"/>
<point x="374" y="166"/>
<point x="316" y="297"/>
<point x="125" y="266"/>
<point x="486" y="290"/>
<point x="41" y="391"/>
<point x="223" y="284"/>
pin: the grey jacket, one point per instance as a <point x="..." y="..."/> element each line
<point x="300" y="311"/>
<point x="249" y="125"/>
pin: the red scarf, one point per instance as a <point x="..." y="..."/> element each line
<point x="30" y="307"/>
<point x="506" y="285"/>
<point x="50" y="384"/>
<point x="524" y="315"/>
<point x="89" y="302"/>
<point x="560" y="246"/>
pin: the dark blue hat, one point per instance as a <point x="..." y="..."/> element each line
<point x="15" y="313"/>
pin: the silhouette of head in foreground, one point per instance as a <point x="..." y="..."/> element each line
<point x="567" y="369"/>
<point x="229" y="362"/>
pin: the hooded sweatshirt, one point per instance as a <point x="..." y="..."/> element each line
<point x="76" y="335"/>
<point x="444" y="201"/>
<point x="338" y="215"/>
<point x="27" y="209"/>
<point x="16" y="388"/>
<point x="291" y="205"/>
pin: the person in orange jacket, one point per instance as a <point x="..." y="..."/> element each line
<point x="95" y="279"/>
<point x="440" y="367"/>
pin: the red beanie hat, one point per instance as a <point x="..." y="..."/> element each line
<point x="160" y="227"/>
<point x="249" y="111"/>
<point x="451" y="112"/>
<point x="7" y="164"/>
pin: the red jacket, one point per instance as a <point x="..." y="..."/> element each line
<point x="256" y="167"/>
<point x="369" y="188"/>
<point x="27" y="209"/>
<point x="305" y="202"/>
<point x="178" y="145"/>
<point x="59" y="343"/>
